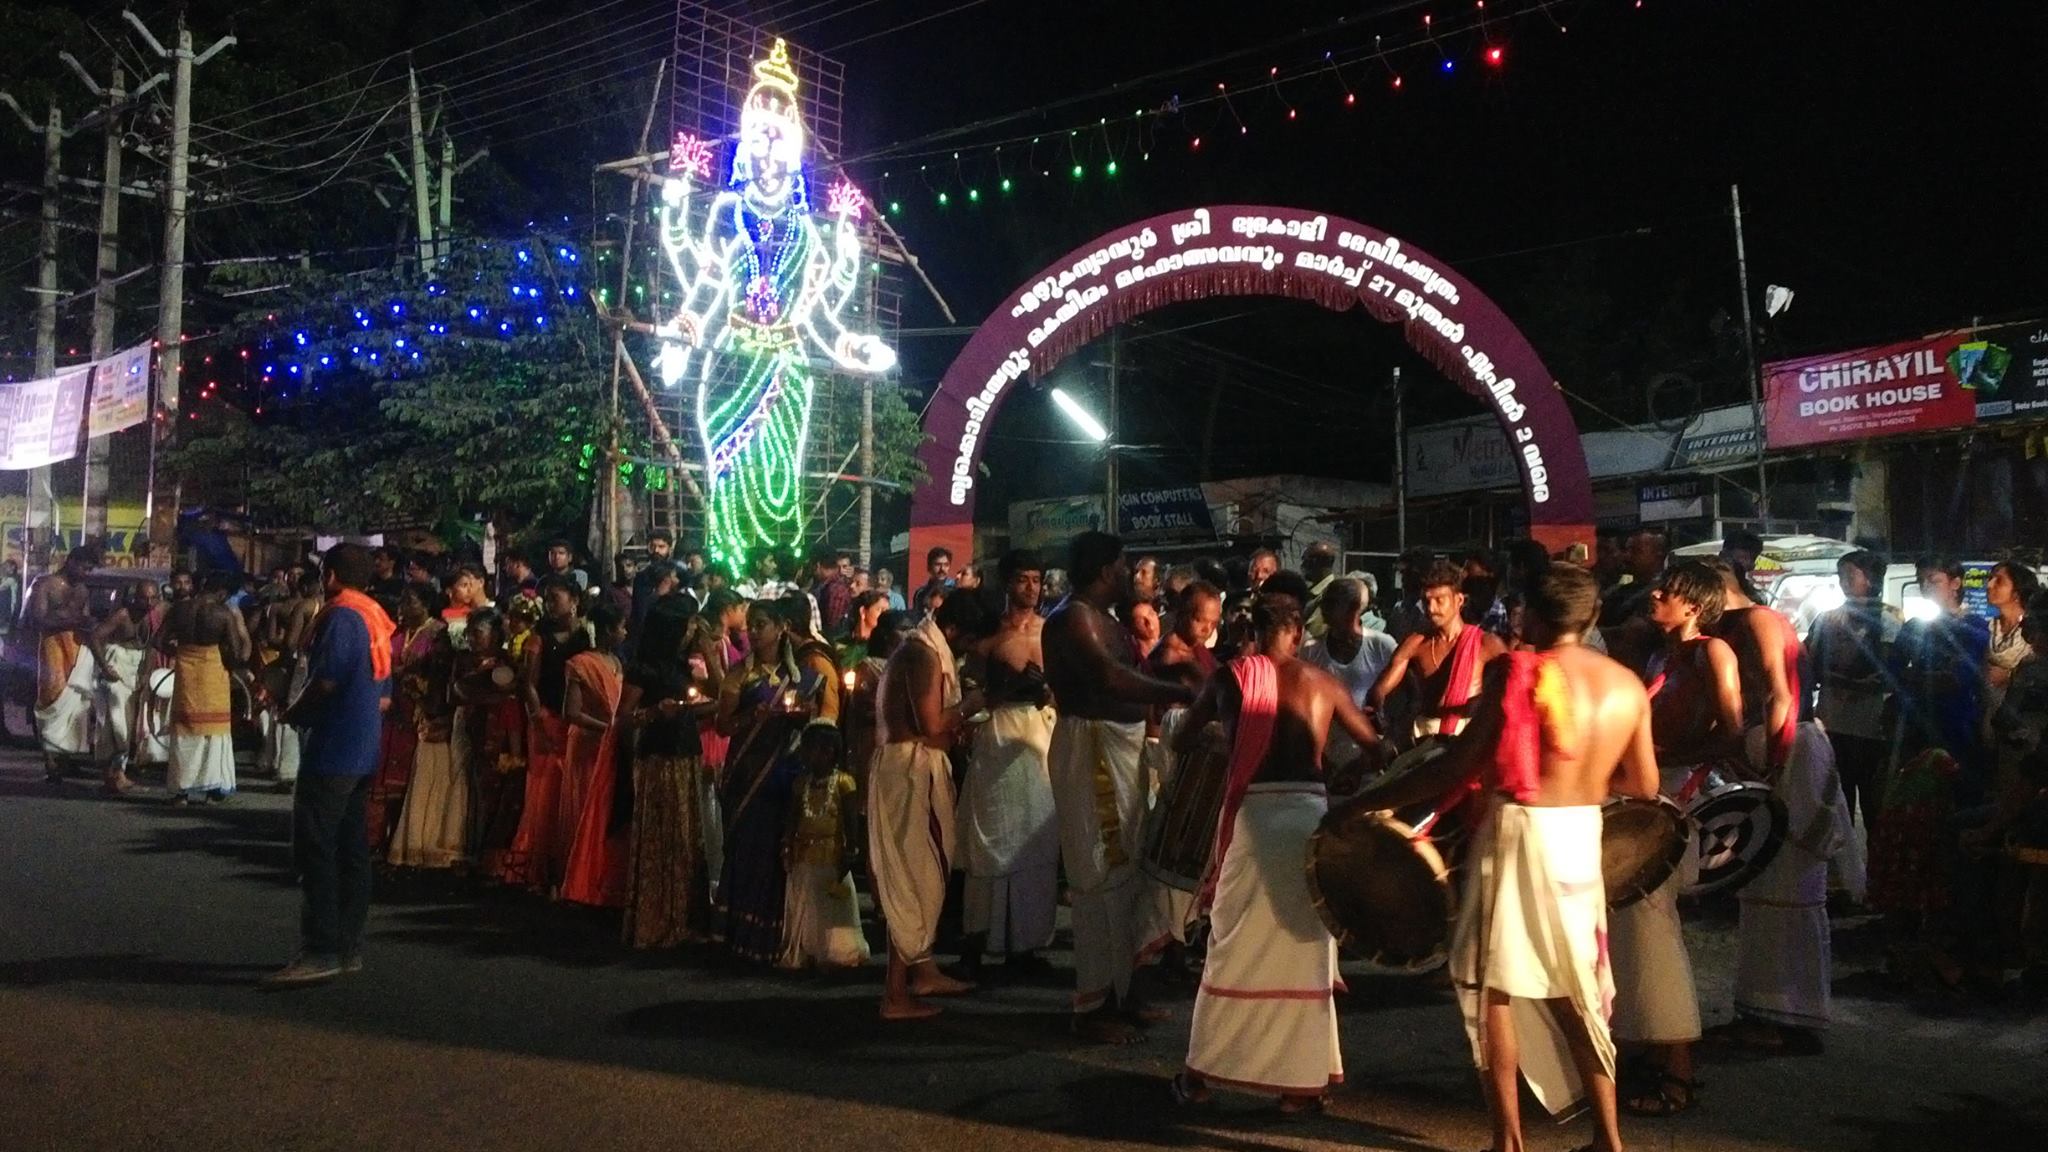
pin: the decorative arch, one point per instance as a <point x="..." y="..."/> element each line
<point x="1250" y="250"/>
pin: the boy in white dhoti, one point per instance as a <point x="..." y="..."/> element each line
<point x="1265" y="1016"/>
<point x="1695" y="720"/>
<point x="911" y="806"/>
<point x="1098" y="787"/>
<point x="1559" y="730"/>
<point x="1009" y="836"/>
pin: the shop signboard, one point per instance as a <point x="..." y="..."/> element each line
<point x="2008" y="366"/>
<point x="1924" y="385"/>
<point x="1164" y="515"/>
<point x="1677" y="500"/>
<point x="1053" y="524"/>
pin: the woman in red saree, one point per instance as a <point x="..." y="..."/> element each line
<point x="538" y="856"/>
<point x="418" y="633"/>
<point x="596" y="871"/>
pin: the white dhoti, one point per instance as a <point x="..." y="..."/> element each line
<point x="65" y="723"/>
<point x="910" y="842"/>
<point x="1784" y="957"/>
<point x="1655" y="998"/>
<point x="281" y="750"/>
<point x="1009" y="835"/>
<point x="821" y="919"/>
<point x="115" y="701"/>
<point x="1532" y="925"/>
<point x="201" y="764"/>
<point x="433" y="828"/>
<point x="153" y="718"/>
<point x="1265" y="1017"/>
<point x="1099" y="792"/>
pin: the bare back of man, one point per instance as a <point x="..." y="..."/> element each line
<point x="1082" y="647"/>
<point x="1310" y="701"/>
<point x="1608" y="751"/>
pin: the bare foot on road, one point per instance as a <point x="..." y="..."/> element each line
<point x="909" y="1010"/>
<point x="937" y="983"/>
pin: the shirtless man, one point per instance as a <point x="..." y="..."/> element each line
<point x="1695" y="720"/>
<point x="1103" y="701"/>
<point x="203" y="636"/>
<point x="1540" y="831"/>
<point x="1009" y="838"/>
<point x="293" y="635"/>
<point x="1265" y="1015"/>
<point x="911" y="805"/>
<point x="1783" y="949"/>
<point x="1448" y="658"/>
<point x="59" y="612"/>
<point x="117" y="647"/>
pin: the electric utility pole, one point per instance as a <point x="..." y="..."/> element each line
<point x="41" y="507"/>
<point x="422" y="210"/>
<point x="162" y="516"/>
<point x="92" y="510"/>
<point x="1110" y="517"/>
<point x="1755" y="370"/>
<point x="867" y="470"/>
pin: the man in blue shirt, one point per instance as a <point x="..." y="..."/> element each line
<point x="348" y="686"/>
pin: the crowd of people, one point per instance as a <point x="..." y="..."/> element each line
<point x="729" y="759"/>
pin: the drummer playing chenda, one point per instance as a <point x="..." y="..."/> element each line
<point x="1560" y="729"/>
<point x="1094" y="757"/>
<point x="1265" y="1016"/>
<point x="1447" y="658"/>
<point x="1695" y="719"/>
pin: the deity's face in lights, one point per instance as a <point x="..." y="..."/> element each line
<point x="773" y="147"/>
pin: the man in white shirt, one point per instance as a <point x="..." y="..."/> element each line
<point x="1352" y="653"/>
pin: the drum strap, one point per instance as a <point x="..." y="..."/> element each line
<point x="1693" y="784"/>
<point x="1108" y="816"/>
<point x="1814" y="839"/>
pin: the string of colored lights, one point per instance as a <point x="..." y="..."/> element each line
<point x="1103" y="145"/>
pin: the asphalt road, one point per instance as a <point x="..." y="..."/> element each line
<point x="131" y="935"/>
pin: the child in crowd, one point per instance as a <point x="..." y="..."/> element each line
<point x="822" y="915"/>
<point x="486" y="685"/>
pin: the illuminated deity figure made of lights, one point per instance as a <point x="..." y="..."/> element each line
<point x="761" y="282"/>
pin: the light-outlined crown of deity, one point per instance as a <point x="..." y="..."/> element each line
<point x="774" y="90"/>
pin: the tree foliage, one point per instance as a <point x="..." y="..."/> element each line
<point x="353" y="402"/>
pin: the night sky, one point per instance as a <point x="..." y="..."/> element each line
<point x="1583" y="182"/>
<point x="1885" y="150"/>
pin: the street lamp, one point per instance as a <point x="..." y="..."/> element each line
<point x="1089" y="425"/>
<point x="1093" y="429"/>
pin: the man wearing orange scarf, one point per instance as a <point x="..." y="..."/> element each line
<point x="348" y="687"/>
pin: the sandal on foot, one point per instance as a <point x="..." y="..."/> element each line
<point x="1186" y="1090"/>
<point x="1671" y="1096"/>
